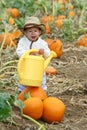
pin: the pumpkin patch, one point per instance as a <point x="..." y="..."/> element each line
<point x="66" y="34"/>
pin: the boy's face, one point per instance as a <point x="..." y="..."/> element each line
<point x="33" y="33"/>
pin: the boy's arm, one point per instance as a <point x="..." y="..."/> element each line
<point x="20" y="49"/>
<point x="46" y="50"/>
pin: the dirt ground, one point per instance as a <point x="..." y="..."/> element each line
<point x="69" y="85"/>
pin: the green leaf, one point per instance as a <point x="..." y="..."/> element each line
<point x="19" y="104"/>
<point x="27" y="95"/>
<point x="6" y="100"/>
<point x="5" y="110"/>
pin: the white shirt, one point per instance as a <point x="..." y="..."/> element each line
<point x="24" y="45"/>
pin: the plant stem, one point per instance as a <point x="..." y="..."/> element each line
<point x="7" y="68"/>
<point x="54" y="8"/>
<point x="9" y="62"/>
<point x="2" y="76"/>
<point x="41" y="127"/>
<point x="81" y="18"/>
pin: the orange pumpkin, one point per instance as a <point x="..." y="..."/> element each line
<point x="17" y="33"/>
<point x="82" y="41"/>
<point x="48" y="30"/>
<point x="1" y="40"/>
<point x="1" y="19"/>
<point x="34" y="92"/>
<point x="46" y="19"/>
<point x="63" y="1"/>
<point x="53" y="110"/>
<point x="62" y="7"/>
<point x="9" y="40"/>
<point x="14" y="12"/>
<point x="11" y="21"/>
<point x="58" y="23"/>
<point x="51" y="70"/>
<point x="71" y="7"/>
<point x="61" y="17"/>
<point x="33" y="107"/>
<point x="71" y="14"/>
<point x="1" y="37"/>
<point x="55" y="45"/>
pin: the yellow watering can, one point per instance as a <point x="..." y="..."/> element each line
<point x="31" y="68"/>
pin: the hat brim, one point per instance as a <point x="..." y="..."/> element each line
<point x="41" y="26"/>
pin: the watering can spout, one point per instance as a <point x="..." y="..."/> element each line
<point x="52" y="54"/>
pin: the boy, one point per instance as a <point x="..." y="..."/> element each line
<point x="32" y="30"/>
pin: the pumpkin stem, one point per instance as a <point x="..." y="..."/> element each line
<point x="27" y="95"/>
<point x="41" y="127"/>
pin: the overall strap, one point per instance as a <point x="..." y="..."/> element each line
<point x="31" y="44"/>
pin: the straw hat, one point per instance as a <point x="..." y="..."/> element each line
<point x="34" y="22"/>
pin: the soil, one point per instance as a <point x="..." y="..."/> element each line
<point x="69" y="85"/>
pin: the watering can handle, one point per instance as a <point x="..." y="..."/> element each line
<point x="33" y="50"/>
<point x="20" y="65"/>
<point x="52" y="54"/>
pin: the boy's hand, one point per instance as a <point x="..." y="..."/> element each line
<point x="41" y="51"/>
<point x="34" y="53"/>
